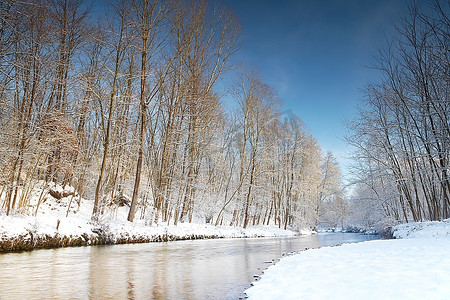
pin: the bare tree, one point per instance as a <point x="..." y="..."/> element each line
<point x="149" y="16"/>
<point x="258" y="108"/>
<point x="118" y="44"/>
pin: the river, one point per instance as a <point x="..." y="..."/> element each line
<point x="199" y="269"/>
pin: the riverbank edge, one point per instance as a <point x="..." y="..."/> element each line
<point x="33" y="241"/>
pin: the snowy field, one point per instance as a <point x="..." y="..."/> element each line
<point x="52" y="227"/>
<point x="417" y="266"/>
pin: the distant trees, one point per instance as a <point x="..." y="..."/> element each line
<point x="332" y="206"/>
<point x="257" y="110"/>
<point x="127" y="111"/>
<point x="403" y="133"/>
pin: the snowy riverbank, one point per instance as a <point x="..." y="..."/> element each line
<point x="416" y="266"/>
<point x="19" y="233"/>
<point x="50" y="227"/>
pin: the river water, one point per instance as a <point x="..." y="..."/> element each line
<point x="200" y="269"/>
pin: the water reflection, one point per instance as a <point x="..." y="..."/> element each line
<point x="203" y="269"/>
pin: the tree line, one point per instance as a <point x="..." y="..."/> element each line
<point x="403" y="130"/>
<point x="121" y="102"/>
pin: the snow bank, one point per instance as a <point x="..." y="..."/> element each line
<point x="413" y="268"/>
<point x="422" y="229"/>
<point x="24" y="232"/>
<point x="386" y="269"/>
<point x="62" y="218"/>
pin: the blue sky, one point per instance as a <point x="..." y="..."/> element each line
<point x="316" y="55"/>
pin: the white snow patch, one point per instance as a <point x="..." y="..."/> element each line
<point x="423" y="229"/>
<point x="413" y="268"/>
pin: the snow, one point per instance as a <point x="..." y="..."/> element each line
<point x="416" y="267"/>
<point x="51" y="221"/>
<point x="423" y="229"/>
<point x="19" y="225"/>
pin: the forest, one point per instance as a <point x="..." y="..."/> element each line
<point x="402" y="134"/>
<point x="128" y="104"/>
<point x="145" y="104"/>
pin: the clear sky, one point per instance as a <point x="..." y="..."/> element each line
<point x="316" y="55"/>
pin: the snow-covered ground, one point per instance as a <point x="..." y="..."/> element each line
<point x="433" y="229"/>
<point x="417" y="266"/>
<point x="50" y="227"/>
